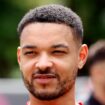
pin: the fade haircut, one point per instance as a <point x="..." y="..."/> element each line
<point x="53" y="13"/>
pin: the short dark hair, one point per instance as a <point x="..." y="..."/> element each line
<point x="53" y="13"/>
<point x="96" y="53"/>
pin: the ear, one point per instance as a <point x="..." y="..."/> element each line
<point x="18" y="55"/>
<point x="83" y="55"/>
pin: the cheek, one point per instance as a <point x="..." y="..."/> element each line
<point x="27" y="68"/>
<point x="66" y="68"/>
<point x="102" y="76"/>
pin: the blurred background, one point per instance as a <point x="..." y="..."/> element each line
<point x="92" y="13"/>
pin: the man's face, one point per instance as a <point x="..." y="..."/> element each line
<point x="98" y="74"/>
<point x="49" y="59"/>
<point x="98" y="80"/>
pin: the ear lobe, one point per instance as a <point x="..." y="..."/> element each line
<point x="83" y="55"/>
<point x="18" y="55"/>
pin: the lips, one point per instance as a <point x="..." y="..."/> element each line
<point x="44" y="78"/>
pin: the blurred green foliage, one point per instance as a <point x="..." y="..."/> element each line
<point x="92" y="13"/>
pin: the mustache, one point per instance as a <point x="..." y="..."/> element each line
<point x="47" y="72"/>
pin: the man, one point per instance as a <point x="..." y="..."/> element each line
<point x="96" y="67"/>
<point x="50" y="54"/>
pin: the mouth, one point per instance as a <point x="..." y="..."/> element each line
<point x="44" y="78"/>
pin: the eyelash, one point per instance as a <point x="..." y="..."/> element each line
<point x="57" y="51"/>
<point x="29" y="52"/>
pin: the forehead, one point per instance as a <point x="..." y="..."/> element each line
<point x="46" y="34"/>
<point x="99" y="65"/>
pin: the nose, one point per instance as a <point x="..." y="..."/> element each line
<point x="44" y="62"/>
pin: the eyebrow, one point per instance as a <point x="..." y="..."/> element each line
<point x="53" y="46"/>
<point x="60" y="46"/>
<point x="29" y="47"/>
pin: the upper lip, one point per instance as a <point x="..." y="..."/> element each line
<point x="44" y="76"/>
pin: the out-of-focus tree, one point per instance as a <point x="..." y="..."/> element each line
<point x="9" y="17"/>
<point x="93" y="16"/>
<point x="92" y="13"/>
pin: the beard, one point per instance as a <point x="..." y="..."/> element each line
<point x="62" y="86"/>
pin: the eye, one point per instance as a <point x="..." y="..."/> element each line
<point x="30" y="53"/>
<point x="59" y="52"/>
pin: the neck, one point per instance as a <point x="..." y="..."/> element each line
<point x="67" y="99"/>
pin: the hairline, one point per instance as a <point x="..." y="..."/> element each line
<point x="72" y="19"/>
<point x="77" y="41"/>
